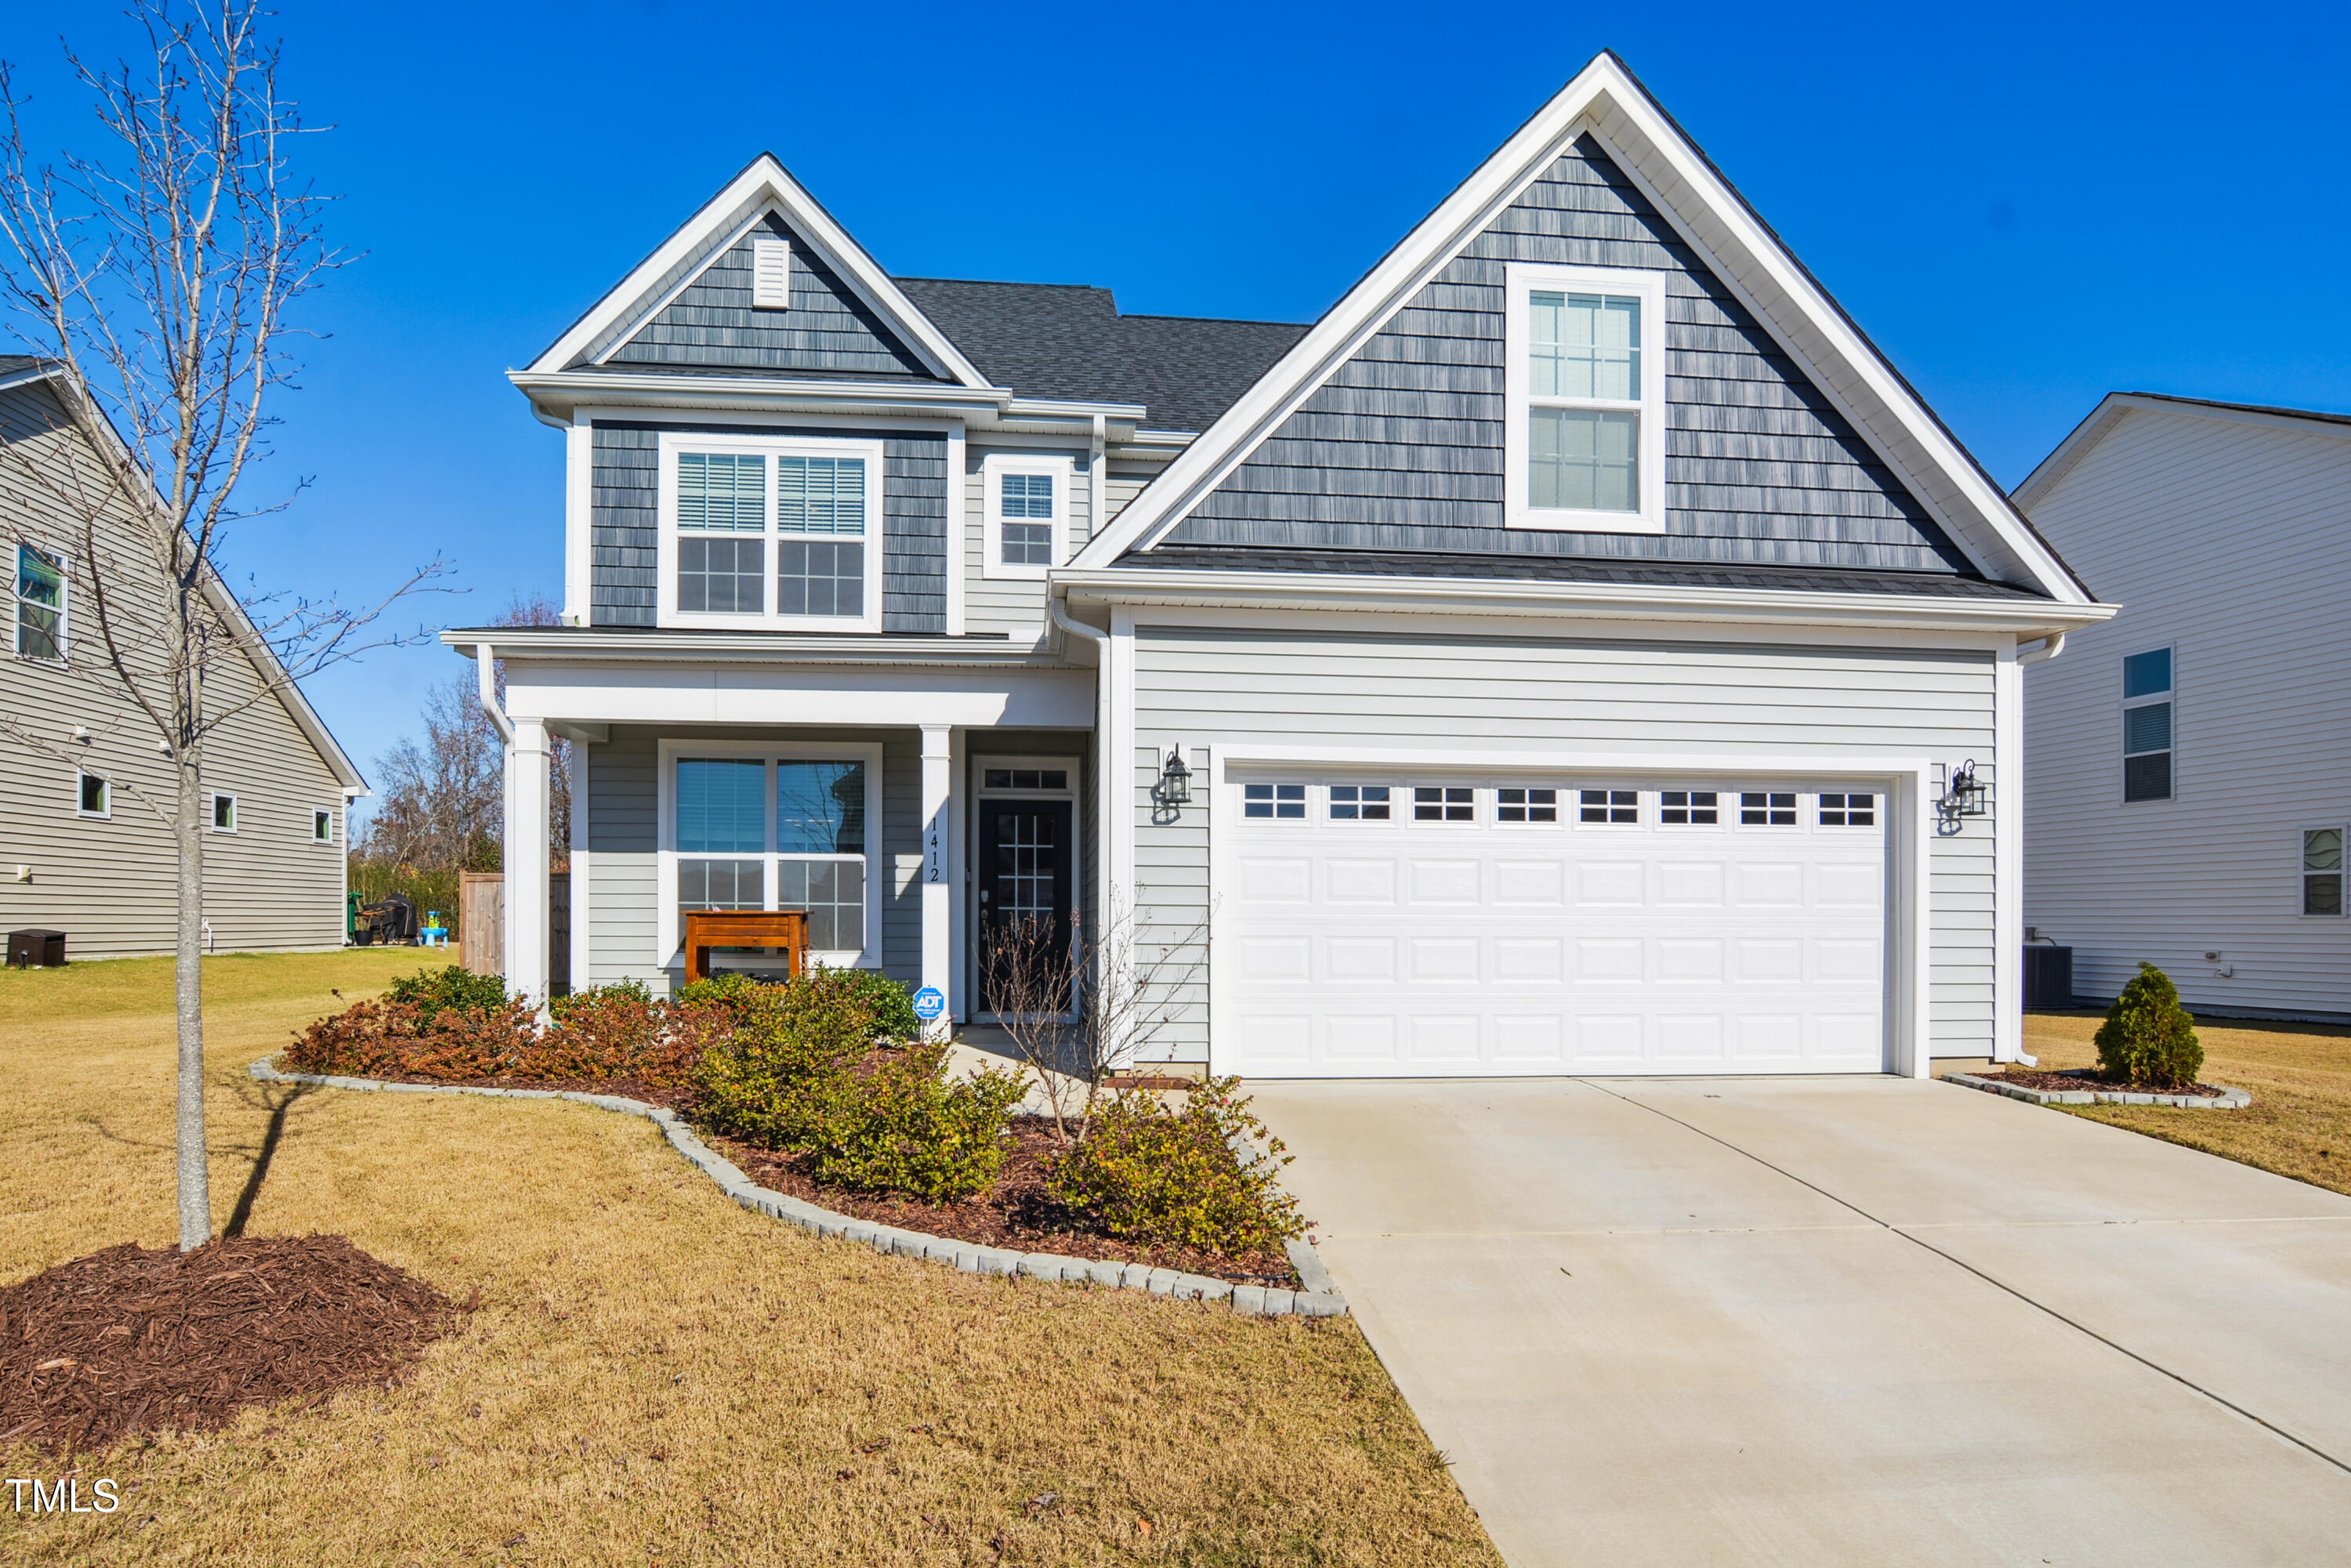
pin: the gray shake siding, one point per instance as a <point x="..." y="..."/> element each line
<point x="1403" y="448"/>
<point x="623" y="831"/>
<point x="1211" y="688"/>
<point x="711" y="326"/>
<point x="626" y="498"/>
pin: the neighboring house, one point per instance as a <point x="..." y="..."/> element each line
<point x="1567" y="639"/>
<point x="80" y="849"/>
<point x="2186" y="795"/>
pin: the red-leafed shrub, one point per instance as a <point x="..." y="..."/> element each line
<point x="617" y="1031"/>
<point x="377" y="1040"/>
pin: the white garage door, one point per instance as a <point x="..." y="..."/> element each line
<point x="1383" y="926"/>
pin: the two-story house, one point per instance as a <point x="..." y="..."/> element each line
<point x="2187" y="810"/>
<point x="1564" y="656"/>
<point x="82" y="850"/>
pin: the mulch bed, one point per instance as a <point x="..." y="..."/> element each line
<point x="127" y="1341"/>
<point x="1018" y="1215"/>
<point x="2076" y="1081"/>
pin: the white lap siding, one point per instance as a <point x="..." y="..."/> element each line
<point x="1439" y="695"/>
<point x="624" y="828"/>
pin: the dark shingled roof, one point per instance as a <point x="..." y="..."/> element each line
<point x="1069" y="341"/>
<point x="11" y="363"/>
<point x="1567" y="568"/>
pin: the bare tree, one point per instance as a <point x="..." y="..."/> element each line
<point x="1081" y="1012"/>
<point x="157" y="276"/>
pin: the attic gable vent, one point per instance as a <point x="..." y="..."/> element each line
<point x="771" y="273"/>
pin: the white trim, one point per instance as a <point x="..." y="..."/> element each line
<point x="1118" y="749"/>
<point x="936" y="874"/>
<point x="212" y="819"/>
<point x="329" y="813"/>
<point x="1605" y="100"/>
<point x="2008" y="857"/>
<point x="578" y="519"/>
<point x="669" y="930"/>
<point x="1520" y="281"/>
<point x="2302" y="872"/>
<point x="2126" y="705"/>
<point x="105" y="794"/>
<point x="1908" y="835"/>
<point x="675" y="442"/>
<point x="1062" y="472"/>
<point x="63" y="560"/>
<point x="762" y="187"/>
<point x="2101" y="421"/>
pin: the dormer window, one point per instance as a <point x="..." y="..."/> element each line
<point x="1028" y="514"/>
<point x="1586" y="387"/>
<point x="767" y="534"/>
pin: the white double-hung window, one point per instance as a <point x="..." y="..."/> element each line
<point x="1028" y="514"/>
<point x="1585" y="403"/>
<point x="770" y="534"/>
<point x="775" y="827"/>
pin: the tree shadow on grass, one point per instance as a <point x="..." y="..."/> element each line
<point x="280" y="1101"/>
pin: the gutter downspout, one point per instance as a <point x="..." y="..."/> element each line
<point x="1054" y="605"/>
<point x="488" y="668"/>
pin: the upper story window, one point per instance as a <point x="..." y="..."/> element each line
<point x="2322" y="871"/>
<point x="768" y="533"/>
<point x="40" y="604"/>
<point x="1028" y="512"/>
<point x="1585" y="443"/>
<point x="2147" y="726"/>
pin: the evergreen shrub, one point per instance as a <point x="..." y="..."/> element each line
<point x="1184" y="1177"/>
<point x="2148" y="1040"/>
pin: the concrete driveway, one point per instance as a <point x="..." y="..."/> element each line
<point x="1832" y="1321"/>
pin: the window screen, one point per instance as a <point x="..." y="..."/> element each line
<point x="40" y="604"/>
<point x="1280" y="801"/>
<point x="1584" y="345"/>
<point x="1583" y="459"/>
<point x="1444" y="804"/>
<point x="1767" y="809"/>
<point x="722" y="884"/>
<point x="2322" y="871"/>
<point x="1359" y="802"/>
<point x="1526" y="805"/>
<point x="2147" y="726"/>
<point x="1616" y="805"/>
<point x="820" y="577"/>
<point x="833" y="893"/>
<point x="1688" y="808"/>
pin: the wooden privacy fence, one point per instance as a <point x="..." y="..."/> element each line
<point x="482" y="926"/>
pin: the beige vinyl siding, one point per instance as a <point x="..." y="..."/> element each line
<point x="623" y="828"/>
<point x="2226" y="541"/>
<point x="1440" y="695"/>
<point x="1014" y="606"/>
<point x="109" y="884"/>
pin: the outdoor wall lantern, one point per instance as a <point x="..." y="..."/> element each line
<point x="1965" y="796"/>
<point x="1175" y="781"/>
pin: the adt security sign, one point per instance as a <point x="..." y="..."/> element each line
<point x="929" y="1003"/>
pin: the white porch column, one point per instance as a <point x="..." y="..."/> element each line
<point x="526" y="931"/>
<point x="938" y="858"/>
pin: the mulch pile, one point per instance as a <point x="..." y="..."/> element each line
<point x="127" y="1339"/>
<point x="1018" y="1214"/>
<point x="2074" y="1081"/>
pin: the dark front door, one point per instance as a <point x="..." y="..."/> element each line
<point x="1024" y="904"/>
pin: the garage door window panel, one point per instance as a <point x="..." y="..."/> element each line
<point x="1848" y="810"/>
<point x="1444" y="804"/>
<point x="1529" y="806"/>
<point x="1274" y="802"/>
<point x="1619" y="808"/>
<point x="1688" y="808"/>
<point x="1767" y="809"/>
<point x="1360" y="803"/>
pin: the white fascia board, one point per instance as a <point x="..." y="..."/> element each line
<point x="1603" y="98"/>
<point x="1271" y="590"/>
<point x="763" y="187"/>
<point x="523" y="642"/>
<point x="559" y="393"/>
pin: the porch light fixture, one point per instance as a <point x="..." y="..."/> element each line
<point x="1175" y="781"/>
<point x="1966" y="796"/>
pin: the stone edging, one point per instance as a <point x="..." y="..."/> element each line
<point x="1319" y="1299"/>
<point x="2229" y="1100"/>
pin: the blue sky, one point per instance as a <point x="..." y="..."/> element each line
<point x="2025" y="207"/>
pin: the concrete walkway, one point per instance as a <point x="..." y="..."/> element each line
<point x="1838" y="1321"/>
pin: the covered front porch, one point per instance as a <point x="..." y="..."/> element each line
<point x="896" y="813"/>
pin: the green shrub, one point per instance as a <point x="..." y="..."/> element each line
<point x="431" y="990"/>
<point x="905" y="1126"/>
<point x="892" y="1003"/>
<point x="776" y="1058"/>
<point x="1180" y="1179"/>
<point x="2147" y="1038"/>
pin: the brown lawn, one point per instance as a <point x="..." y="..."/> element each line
<point x="2299" y="1124"/>
<point x="654" y="1375"/>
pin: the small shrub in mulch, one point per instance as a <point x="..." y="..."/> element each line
<point x="1177" y="1178"/>
<point x="128" y="1340"/>
<point x="2148" y="1040"/>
